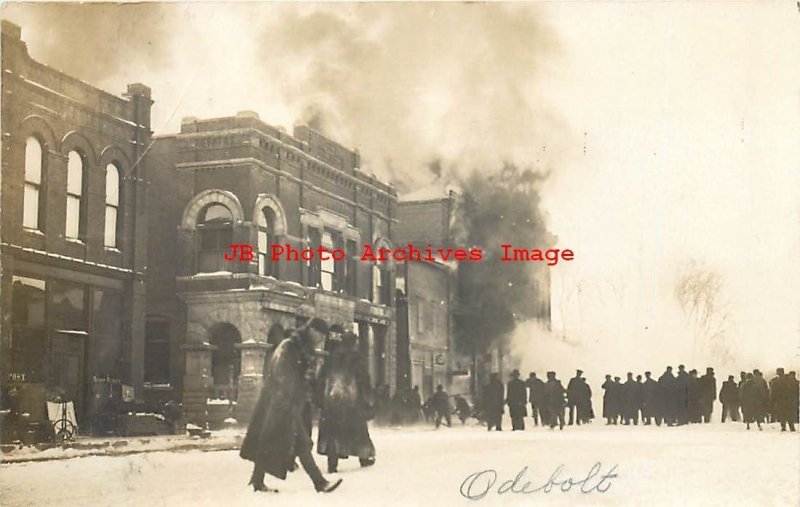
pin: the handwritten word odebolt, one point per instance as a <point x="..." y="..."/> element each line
<point x="510" y="253"/>
<point x="479" y="484"/>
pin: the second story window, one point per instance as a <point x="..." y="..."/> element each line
<point x="214" y="236"/>
<point x="313" y="266"/>
<point x="350" y="268"/>
<point x="328" y="265"/>
<point x="74" y="229"/>
<point x="266" y="237"/>
<point x="112" y="206"/>
<point x="33" y="194"/>
<point x="380" y="283"/>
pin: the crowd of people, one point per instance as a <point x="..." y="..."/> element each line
<point x="315" y="367"/>
<point x="672" y="400"/>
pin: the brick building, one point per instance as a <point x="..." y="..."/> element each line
<point x="238" y="180"/>
<point x="426" y="295"/>
<point x="73" y="231"/>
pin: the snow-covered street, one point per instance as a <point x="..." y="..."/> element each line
<point x="696" y="465"/>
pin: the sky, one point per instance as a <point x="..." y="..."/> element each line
<point x="668" y="131"/>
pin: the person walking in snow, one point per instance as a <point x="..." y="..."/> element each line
<point x="440" y="403"/>
<point x="278" y="431"/>
<point x="346" y="402"/>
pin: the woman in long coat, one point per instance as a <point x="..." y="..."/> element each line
<point x="346" y="401"/>
<point x="278" y="430"/>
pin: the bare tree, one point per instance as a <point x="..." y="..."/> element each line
<point x="699" y="291"/>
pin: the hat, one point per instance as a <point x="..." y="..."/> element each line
<point x="318" y="325"/>
<point x="515" y="373"/>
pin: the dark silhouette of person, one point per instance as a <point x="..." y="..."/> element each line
<point x="681" y="396"/>
<point x="650" y="406"/>
<point x="573" y="395"/>
<point x="708" y="394"/>
<point x="278" y="430"/>
<point x="535" y="396"/>
<point x="516" y="399"/>
<point x="555" y="400"/>
<point x="729" y="397"/>
<point x="492" y="402"/>
<point x="346" y="401"/>
<point x="667" y="397"/>
<point x="609" y="407"/>
<point x="584" y="403"/>
<point x="629" y="401"/>
<point x="441" y="407"/>
<point x="785" y="400"/>
<point x="463" y="409"/>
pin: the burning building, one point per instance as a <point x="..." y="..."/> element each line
<point x="238" y="180"/>
<point x="426" y="292"/>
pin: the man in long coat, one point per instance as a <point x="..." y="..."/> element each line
<point x="729" y="397"/>
<point x="584" y="402"/>
<point x="492" y="402"/>
<point x="535" y="396"/>
<point x="785" y="400"/>
<point x="278" y="431"/>
<point x="516" y="398"/>
<point x="650" y="408"/>
<point x="555" y="400"/>
<point x="630" y="404"/>
<point x="666" y="397"/>
<point x="573" y="394"/>
<point x="346" y="402"/>
<point x="609" y="410"/>
<point x="708" y="394"/>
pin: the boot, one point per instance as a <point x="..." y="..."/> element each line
<point x="327" y="486"/>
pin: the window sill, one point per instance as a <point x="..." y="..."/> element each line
<point x="35" y="232"/>
<point x="75" y="241"/>
<point x="112" y="249"/>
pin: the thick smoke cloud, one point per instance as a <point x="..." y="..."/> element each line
<point x="93" y="42"/>
<point x="452" y="87"/>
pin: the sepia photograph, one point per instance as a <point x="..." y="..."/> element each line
<point x="500" y="253"/>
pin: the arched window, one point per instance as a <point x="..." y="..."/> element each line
<point x="75" y="181"/>
<point x="215" y="235"/>
<point x="266" y="235"/>
<point x="112" y="206"/>
<point x="33" y="195"/>
<point x="327" y="265"/>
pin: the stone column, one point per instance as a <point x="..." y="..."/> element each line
<point x="251" y="378"/>
<point x="197" y="381"/>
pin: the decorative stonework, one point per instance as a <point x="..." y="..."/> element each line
<point x="272" y="202"/>
<point x="206" y="197"/>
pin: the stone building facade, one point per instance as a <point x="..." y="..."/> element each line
<point x="238" y="180"/>
<point x="73" y="236"/>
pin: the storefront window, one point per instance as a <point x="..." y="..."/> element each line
<point x="68" y="307"/>
<point x="109" y="353"/>
<point x="156" y="351"/>
<point x="29" y="335"/>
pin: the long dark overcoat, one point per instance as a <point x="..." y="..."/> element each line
<point x="516" y="394"/>
<point x="278" y="431"/>
<point x="346" y="397"/>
